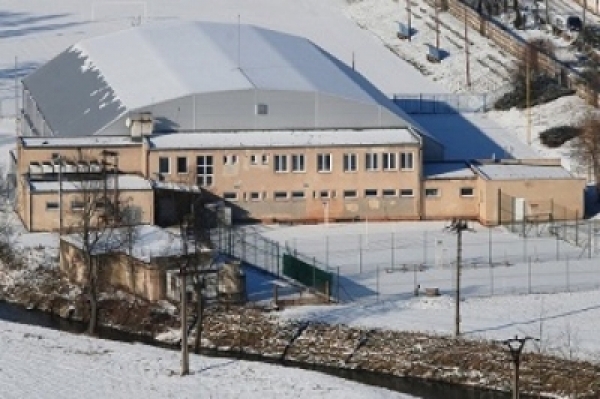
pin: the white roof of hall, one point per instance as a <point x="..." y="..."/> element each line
<point x="202" y="57"/>
<point x="282" y="138"/>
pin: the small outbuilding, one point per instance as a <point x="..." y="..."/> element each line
<point x="143" y="260"/>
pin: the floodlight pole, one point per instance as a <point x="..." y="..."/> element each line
<point x="515" y="347"/>
<point x="457" y="298"/>
<point x="458" y="226"/>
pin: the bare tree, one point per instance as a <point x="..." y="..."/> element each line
<point x="585" y="148"/>
<point x="96" y="211"/>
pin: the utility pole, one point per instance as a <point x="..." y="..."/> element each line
<point x="409" y="15"/>
<point x="458" y="226"/>
<point x="437" y="26"/>
<point x="528" y="89"/>
<point x="185" y="354"/>
<point x="515" y="347"/>
<point x="58" y="159"/>
<point x="467" y="53"/>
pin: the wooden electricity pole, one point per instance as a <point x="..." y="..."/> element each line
<point x="528" y="91"/>
<point x="437" y="26"/>
<point x="467" y="52"/>
<point x="185" y="354"/>
<point x="409" y="16"/>
<point x="458" y="226"/>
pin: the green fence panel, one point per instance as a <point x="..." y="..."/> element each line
<point x="306" y="274"/>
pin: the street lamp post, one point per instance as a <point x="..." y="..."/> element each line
<point x="515" y="347"/>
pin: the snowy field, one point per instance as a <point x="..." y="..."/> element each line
<point x="47" y="364"/>
<point x="539" y="286"/>
<point x="382" y="261"/>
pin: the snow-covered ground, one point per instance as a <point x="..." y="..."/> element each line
<point x="538" y="283"/>
<point x="47" y="364"/>
<point x="567" y="324"/>
<point x="33" y="31"/>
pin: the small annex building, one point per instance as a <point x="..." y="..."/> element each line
<point x="143" y="260"/>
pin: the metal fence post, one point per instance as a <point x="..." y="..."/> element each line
<point x="337" y="283"/>
<point x="491" y="279"/>
<point x="327" y="250"/>
<point x="255" y="249"/>
<point x="360" y="254"/>
<point x="529" y="275"/>
<point x="377" y="282"/>
<point x="392" y="253"/>
<point x="314" y="273"/>
<point x="568" y="275"/>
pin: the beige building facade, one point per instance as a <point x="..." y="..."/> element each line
<point x="285" y="176"/>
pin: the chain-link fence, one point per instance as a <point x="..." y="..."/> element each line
<point x="251" y="247"/>
<point x="441" y="103"/>
<point x="494" y="261"/>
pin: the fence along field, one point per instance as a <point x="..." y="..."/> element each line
<point x="388" y="260"/>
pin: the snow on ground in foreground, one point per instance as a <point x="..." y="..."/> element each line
<point x="41" y="363"/>
<point x="557" y="318"/>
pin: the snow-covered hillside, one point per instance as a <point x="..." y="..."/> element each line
<point x="47" y="364"/>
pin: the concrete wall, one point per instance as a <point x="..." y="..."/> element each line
<point x="37" y="217"/>
<point x="118" y="270"/>
<point x="564" y="198"/>
<point x="286" y="109"/>
<point x="449" y="202"/>
<point x="249" y="176"/>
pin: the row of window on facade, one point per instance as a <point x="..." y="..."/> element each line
<point x="387" y="161"/>
<point x="346" y="194"/>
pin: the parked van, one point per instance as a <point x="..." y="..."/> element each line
<point x="567" y="23"/>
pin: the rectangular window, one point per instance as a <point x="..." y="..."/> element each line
<point x="350" y="164"/>
<point x="254" y="196"/>
<point x="406" y="161"/>
<point x="323" y="162"/>
<point x="262" y="109"/>
<point x="230" y="196"/>
<point x="371" y="162"/>
<point x="389" y="161"/>
<point x="388" y="193"/>
<point x="254" y="159"/>
<point x="280" y="163"/>
<point x="298" y="195"/>
<point x="229" y="159"/>
<point x="350" y="194"/>
<point x="205" y="170"/>
<point x="51" y="206"/>
<point x="182" y="166"/>
<point x="324" y="194"/>
<point x="280" y="195"/>
<point x="77" y="205"/>
<point x="163" y="165"/>
<point x="298" y="164"/>
<point x="432" y="192"/>
<point x="466" y="192"/>
<point x="370" y="193"/>
<point x="406" y="192"/>
<point x="265" y="159"/>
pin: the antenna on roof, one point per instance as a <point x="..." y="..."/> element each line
<point x="239" y="43"/>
